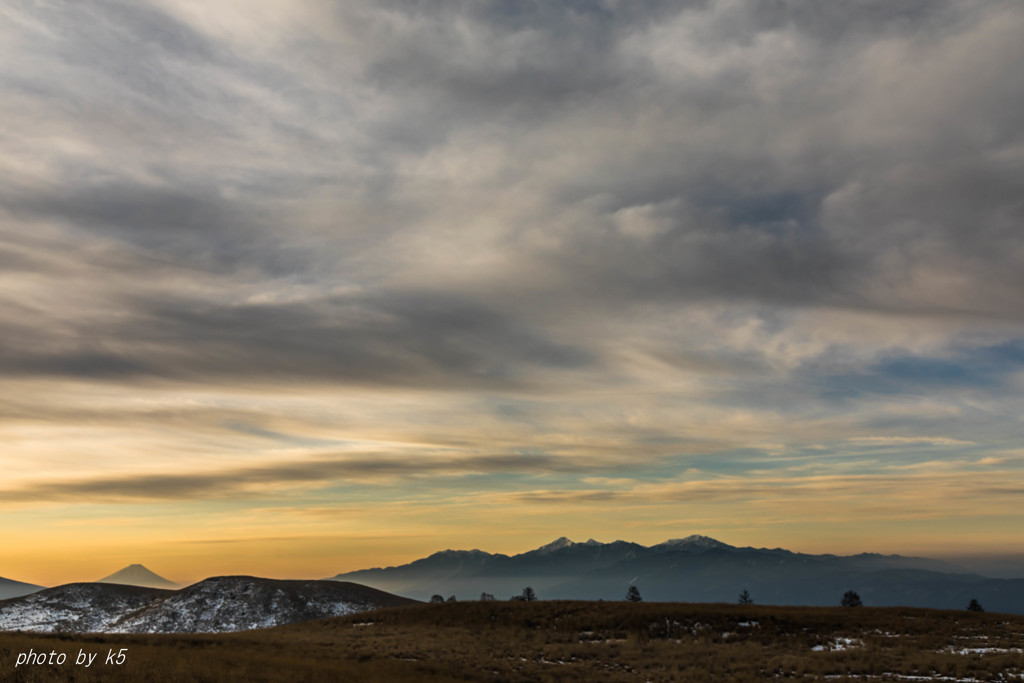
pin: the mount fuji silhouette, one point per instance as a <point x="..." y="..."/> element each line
<point x="137" y="575"/>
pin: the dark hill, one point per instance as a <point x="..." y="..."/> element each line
<point x="226" y="603"/>
<point x="242" y="603"/>
<point x="75" y="607"/>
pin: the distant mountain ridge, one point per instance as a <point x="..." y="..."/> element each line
<point x="215" y="605"/>
<point x="693" y="541"/>
<point x="15" y="589"/>
<point x="695" y="568"/>
<point x="138" y="575"/>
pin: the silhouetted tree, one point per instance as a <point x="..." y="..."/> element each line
<point x="485" y="597"/>
<point x="633" y="594"/>
<point x="451" y="598"/>
<point x="851" y="599"/>
<point x="528" y="594"/>
<point x="975" y="606"/>
<point x="436" y="598"/>
<point x="745" y="598"/>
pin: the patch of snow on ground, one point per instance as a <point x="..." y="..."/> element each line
<point x="982" y="650"/>
<point x="838" y="644"/>
<point x="907" y="677"/>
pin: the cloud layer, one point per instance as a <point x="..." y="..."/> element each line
<point x="513" y="244"/>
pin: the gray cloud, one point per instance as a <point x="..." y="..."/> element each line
<point x="396" y="338"/>
<point x="190" y="225"/>
<point x="663" y="208"/>
<point x="815" y="224"/>
<point x="243" y="482"/>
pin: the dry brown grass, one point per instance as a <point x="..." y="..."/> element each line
<point x="563" y="641"/>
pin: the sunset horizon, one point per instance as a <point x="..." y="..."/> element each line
<point x="296" y="289"/>
<point x="260" y="557"/>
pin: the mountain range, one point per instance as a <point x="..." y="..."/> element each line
<point x="216" y="605"/>
<point x="13" y="589"/>
<point x="694" y="569"/>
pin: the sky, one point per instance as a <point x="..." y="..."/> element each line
<point x="299" y="287"/>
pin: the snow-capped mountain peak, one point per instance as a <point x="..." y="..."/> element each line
<point x="558" y="544"/>
<point x="692" y="541"/>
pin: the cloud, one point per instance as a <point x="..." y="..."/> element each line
<point x="899" y="440"/>
<point x="651" y="232"/>
<point x="907" y="496"/>
<point x="387" y="338"/>
<point x="253" y="481"/>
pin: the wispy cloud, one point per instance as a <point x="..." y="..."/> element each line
<point x="903" y="440"/>
<point x="710" y="235"/>
<point x="247" y="481"/>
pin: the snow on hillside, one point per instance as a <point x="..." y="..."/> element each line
<point x="236" y="603"/>
<point x="76" y="607"/>
<point x="216" y="605"/>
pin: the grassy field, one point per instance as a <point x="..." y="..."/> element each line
<point x="561" y="641"/>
